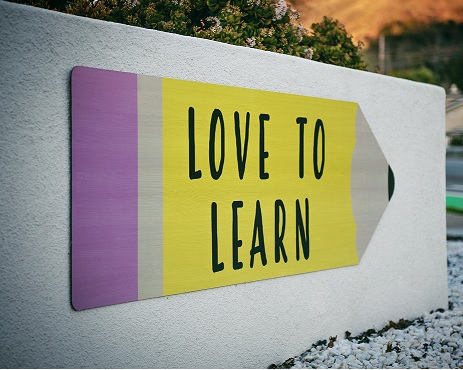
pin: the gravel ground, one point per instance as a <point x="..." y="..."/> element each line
<point x="432" y="341"/>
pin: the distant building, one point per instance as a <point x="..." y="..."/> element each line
<point x="454" y="117"/>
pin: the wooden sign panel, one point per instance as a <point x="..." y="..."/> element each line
<point x="179" y="186"/>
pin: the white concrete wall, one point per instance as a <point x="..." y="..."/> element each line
<point x="402" y="273"/>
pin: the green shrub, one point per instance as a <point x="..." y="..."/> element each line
<point x="420" y="74"/>
<point x="262" y="24"/>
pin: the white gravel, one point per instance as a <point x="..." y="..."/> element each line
<point x="432" y="341"/>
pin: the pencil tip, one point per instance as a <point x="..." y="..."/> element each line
<point x="391" y="182"/>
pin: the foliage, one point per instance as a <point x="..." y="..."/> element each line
<point x="270" y="25"/>
<point x="456" y="140"/>
<point x="420" y="74"/>
<point x="334" y="45"/>
<point x="417" y="49"/>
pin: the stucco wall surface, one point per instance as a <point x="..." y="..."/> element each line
<point x="402" y="273"/>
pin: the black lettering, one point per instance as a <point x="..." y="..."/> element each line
<point x="194" y="174"/>
<point x="216" y="115"/>
<point x="301" y="121"/>
<point x="258" y="231"/>
<point x="318" y="172"/>
<point x="236" y="243"/>
<point x="216" y="266"/>
<point x="241" y="154"/>
<point x="262" y="153"/>
<point x="300" y="234"/>
<point x="280" y="233"/>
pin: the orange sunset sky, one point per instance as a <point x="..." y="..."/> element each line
<point x="364" y="18"/>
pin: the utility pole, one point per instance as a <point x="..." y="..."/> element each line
<point x="382" y="53"/>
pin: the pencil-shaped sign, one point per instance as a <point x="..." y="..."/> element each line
<point x="179" y="186"/>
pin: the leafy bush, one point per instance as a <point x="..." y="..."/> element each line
<point x="262" y="24"/>
<point x="420" y="74"/>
